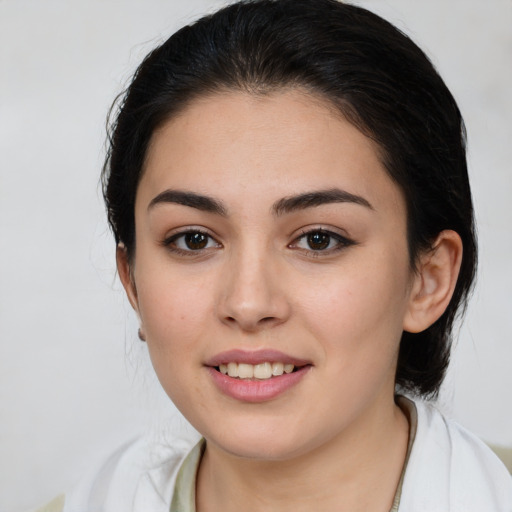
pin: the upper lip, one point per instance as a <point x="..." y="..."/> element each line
<point x="255" y="357"/>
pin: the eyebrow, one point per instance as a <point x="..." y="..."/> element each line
<point x="280" y="207"/>
<point x="191" y="199"/>
<point x="317" y="198"/>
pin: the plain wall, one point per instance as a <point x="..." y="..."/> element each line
<point x="74" y="380"/>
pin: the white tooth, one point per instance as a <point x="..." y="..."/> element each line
<point x="277" y="369"/>
<point x="288" y="368"/>
<point x="223" y="368"/>
<point x="233" y="369"/>
<point x="263" y="371"/>
<point x="245" y="371"/>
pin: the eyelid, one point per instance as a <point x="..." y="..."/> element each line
<point x="343" y="240"/>
<point x="182" y="231"/>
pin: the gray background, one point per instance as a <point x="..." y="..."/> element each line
<point x="74" y="380"/>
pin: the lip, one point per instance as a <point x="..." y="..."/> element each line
<point x="254" y="390"/>
<point x="255" y="357"/>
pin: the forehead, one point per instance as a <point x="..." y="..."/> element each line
<point x="275" y="144"/>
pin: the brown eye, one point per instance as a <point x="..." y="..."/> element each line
<point x="196" y="241"/>
<point x="318" y="241"/>
<point x="190" y="241"/>
<point x="321" y="241"/>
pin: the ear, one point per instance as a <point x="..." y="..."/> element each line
<point x="434" y="282"/>
<point x="125" y="274"/>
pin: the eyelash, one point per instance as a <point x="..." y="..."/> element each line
<point x="341" y="242"/>
<point x="169" y="241"/>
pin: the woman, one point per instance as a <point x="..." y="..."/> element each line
<point x="287" y="186"/>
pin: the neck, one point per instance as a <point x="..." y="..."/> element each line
<point x="359" y="469"/>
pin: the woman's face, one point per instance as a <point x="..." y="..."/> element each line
<point x="269" y="235"/>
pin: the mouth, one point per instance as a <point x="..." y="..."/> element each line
<point x="261" y="371"/>
<point x="256" y="376"/>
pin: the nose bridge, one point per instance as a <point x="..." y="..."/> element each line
<point x="252" y="295"/>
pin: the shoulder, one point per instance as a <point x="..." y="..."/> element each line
<point x="140" y="475"/>
<point x="451" y="469"/>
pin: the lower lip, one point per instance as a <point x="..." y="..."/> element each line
<point x="254" y="390"/>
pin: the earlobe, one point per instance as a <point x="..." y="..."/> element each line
<point x="434" y="282"/>
<point x="125" y="274"/>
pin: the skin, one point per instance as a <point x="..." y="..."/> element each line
<point x="336" y="440"/>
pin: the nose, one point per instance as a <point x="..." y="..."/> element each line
<point x="253" y="295"/>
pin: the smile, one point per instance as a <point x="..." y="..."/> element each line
<point x="260" y="371"/>
<point x="256" y="375"/>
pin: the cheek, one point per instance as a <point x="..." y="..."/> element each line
<point x="175" y="319"/>
<point x="174" y="312"/>
<point x="361" y="308"/>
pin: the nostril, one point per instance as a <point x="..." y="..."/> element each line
<point x="251" y="324"/>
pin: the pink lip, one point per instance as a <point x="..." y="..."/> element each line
<point x="254" y="390"/>
<point x="255" y="357"/>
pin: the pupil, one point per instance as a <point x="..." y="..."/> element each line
<point x="318" y="240"/>
<point x="196" y="241"/>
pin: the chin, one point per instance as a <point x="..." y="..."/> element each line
<point x="259" y="449"/>
<point x="262" y="442"/>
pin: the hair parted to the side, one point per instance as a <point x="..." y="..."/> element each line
<point x="373" y="74"/>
